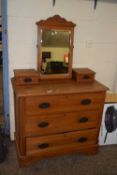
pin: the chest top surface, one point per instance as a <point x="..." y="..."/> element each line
<point x="58" y="87"/>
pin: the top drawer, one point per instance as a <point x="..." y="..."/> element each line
<point x="63" y="103"/>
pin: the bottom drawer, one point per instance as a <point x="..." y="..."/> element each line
<point x="46" y="144"/>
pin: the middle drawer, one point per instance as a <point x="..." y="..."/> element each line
<point x="56" y="123"/>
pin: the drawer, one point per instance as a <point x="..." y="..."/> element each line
<point x="26" y="76"/>
<point x="42" y="145"/>
<point x="82" y="75"/>
<point x="26" y="80"/>
<point x="51" y="124"/>
<point x="85" y="78"/>
<point x="63" y="103"/>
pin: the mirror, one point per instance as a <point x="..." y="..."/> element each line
<point x="55" y="51"/>
<point x="55" y="45"/>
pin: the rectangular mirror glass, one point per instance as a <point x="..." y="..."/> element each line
<point x="55" y="51"/>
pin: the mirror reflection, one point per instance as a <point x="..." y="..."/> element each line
<point x="55" y="51"/>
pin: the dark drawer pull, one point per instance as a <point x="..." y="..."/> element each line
<point x="86" y="77"/>
<point x="43" y="124"/>
<point x="83" y="120"/>
<point x="28" y="80"/>
<point x="86" y="102"/>
<point x="44" y="105"/>
<point x="43" y="145"/>
<point x="82" y="139"/>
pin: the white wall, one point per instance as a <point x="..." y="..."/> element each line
<point x="95" y="43"/>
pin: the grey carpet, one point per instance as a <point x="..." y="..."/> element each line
<point x="104" y="163"/>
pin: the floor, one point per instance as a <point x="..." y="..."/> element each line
<point x="103" y="163"/>
<point x="1" y="99"/>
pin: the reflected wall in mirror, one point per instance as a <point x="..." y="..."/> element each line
<point x="55" y="47"/>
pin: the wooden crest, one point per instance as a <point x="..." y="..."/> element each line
<point x="56" y="20"/>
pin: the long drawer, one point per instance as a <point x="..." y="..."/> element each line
<point x="45" y="144"/>
<point x="51" y="124"/>
<point x="63" y="103"/>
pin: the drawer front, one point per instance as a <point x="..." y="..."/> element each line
<point x="85" y="78"/>
<point x="50" y="124"/>
<point x="41" y="145"/>
<point x="63" y="103"/>
<point x="26" y="80"/>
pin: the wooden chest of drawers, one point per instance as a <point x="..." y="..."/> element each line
<point x="57" y="117"/>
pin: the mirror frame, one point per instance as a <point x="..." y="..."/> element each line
<point x="55" y="23"/>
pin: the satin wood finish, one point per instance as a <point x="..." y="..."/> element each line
<point x="57" y="117"/>
<point x="59" y="113"/>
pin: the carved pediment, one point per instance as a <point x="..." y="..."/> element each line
<point x="56" y="20"/>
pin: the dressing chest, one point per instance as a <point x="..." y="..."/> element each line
<point x="56" y="114"/>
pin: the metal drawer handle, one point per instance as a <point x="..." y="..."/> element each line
<point x="44" y="105"/>
<point x="43" y="124"/>
<point x="82" y="139"/>
<point x="86" y="77"/>
<point x="85" y="101"/>
<point x="43" y="145"/>
<point x="83" y="120"/>
<point x="28" y="80"/>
